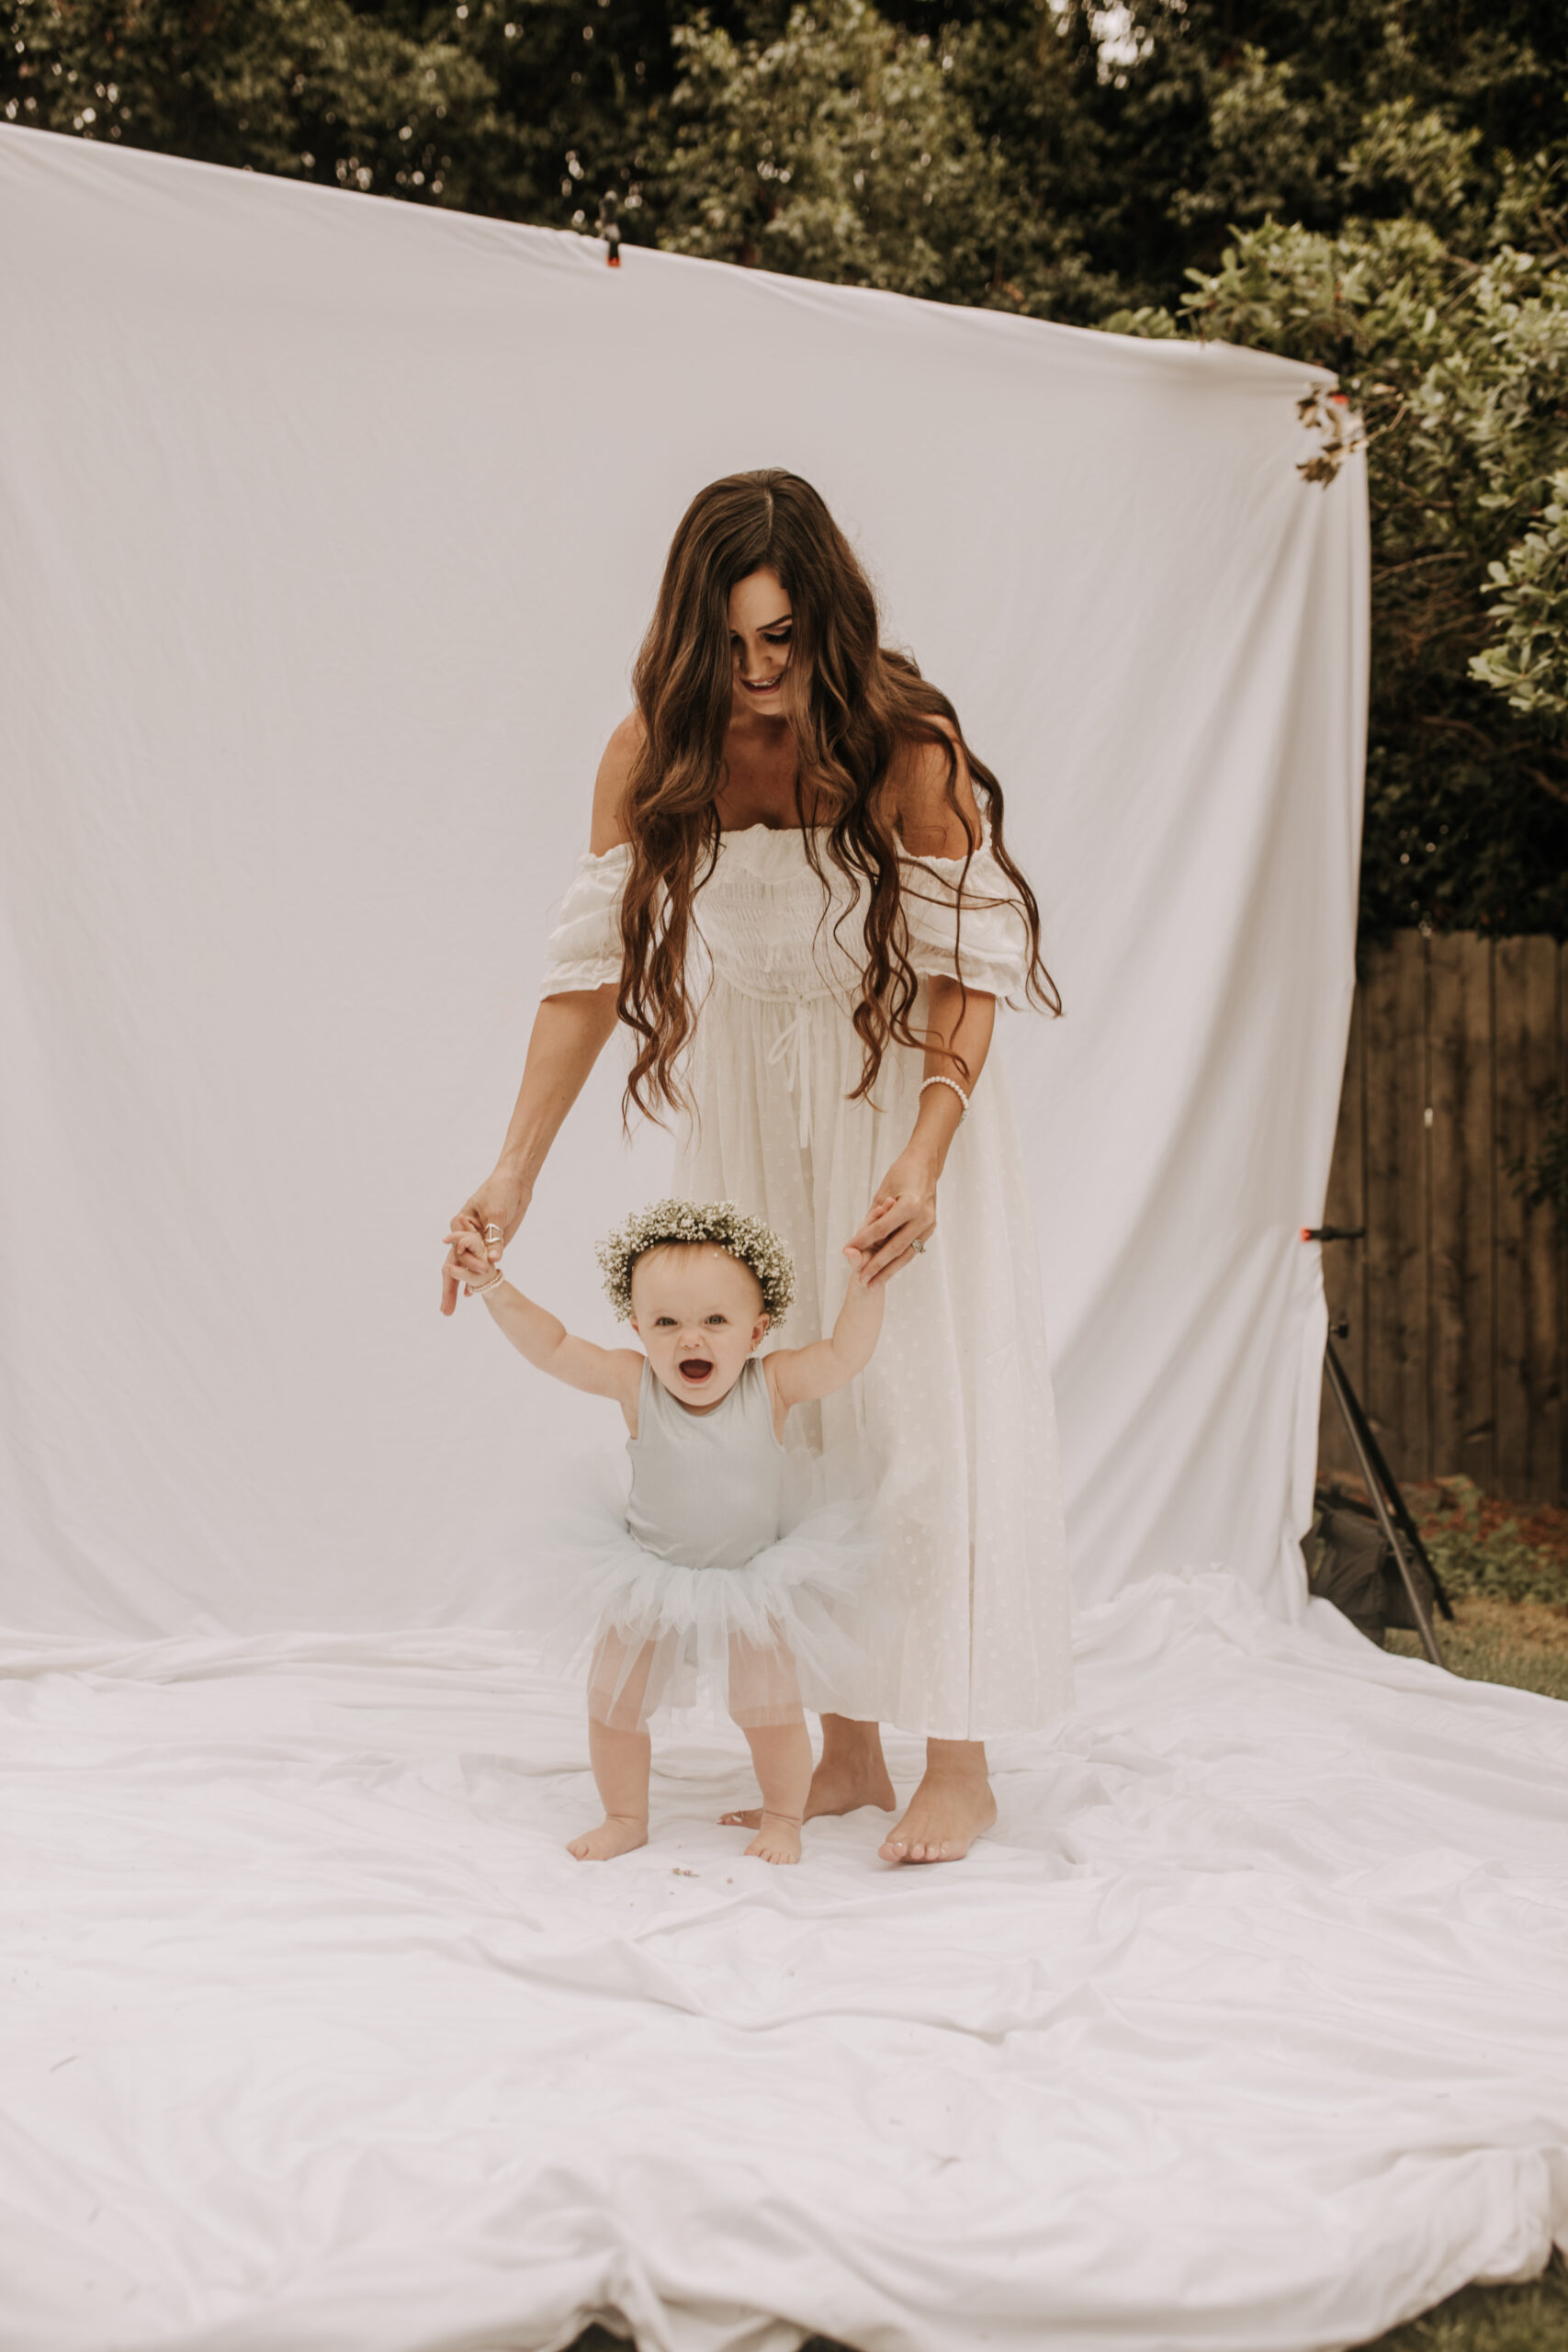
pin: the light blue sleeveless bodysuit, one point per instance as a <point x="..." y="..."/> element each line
<point x="707" y="1488"/>
<point x="730" y="1572"/>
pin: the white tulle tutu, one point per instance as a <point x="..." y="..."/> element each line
<point x="758" y="1642"/>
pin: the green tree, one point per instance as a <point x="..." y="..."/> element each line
<point x="1199" y="117"/>
<point x="1457" y="362"/>
<point x="1528" y="660"/>
<point x="839" y="145"/>
<point x="836" y="150"/>
<point x="312" y="89"/>
<point x="529" y="109"/>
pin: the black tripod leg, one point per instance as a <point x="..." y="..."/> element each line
<point x="1349" y="1403"/>
<point x="1369" y="1456"/>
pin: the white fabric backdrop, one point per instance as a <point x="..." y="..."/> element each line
<point x="330" y="529"/>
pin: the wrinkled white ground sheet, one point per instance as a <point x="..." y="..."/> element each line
<point x="1248" y="2031"/>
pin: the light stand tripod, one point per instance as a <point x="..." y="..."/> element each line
<point x="1399" y="1530"/>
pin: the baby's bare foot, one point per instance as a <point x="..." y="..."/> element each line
<point x="777" y="1839"/>
<point x="616" y="1833"/>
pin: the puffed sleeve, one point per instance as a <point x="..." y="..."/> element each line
<point x="981" y="938"/>
<point x="584" y="950"/>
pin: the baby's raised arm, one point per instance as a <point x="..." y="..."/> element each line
<point x="796" y="1376"/>
<point x="544" y="1338"/>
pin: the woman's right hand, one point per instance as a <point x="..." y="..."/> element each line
<point x="502" y="1199"/>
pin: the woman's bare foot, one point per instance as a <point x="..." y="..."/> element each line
<point x="952" y="1808"/>
<point x="618" y="1833"/>
<point x="852" y="1773"/>
<point x="777" y="1839"/>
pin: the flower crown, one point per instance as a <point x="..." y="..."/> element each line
<point x="746" y="1237"/>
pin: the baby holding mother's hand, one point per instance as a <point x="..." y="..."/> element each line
<point x="798" y="900"/>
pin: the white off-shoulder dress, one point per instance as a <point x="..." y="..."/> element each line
<point x="969" y="1621"/>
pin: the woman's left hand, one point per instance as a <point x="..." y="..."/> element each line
<point x="903" y="1213"/>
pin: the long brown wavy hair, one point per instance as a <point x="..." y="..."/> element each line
<point x="852" y="703"/>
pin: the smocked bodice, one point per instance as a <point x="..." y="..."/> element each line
<point x="767" y="930"/>
<point x="765" y="924"/>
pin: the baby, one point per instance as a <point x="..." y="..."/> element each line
<point x="699" y="1580"/>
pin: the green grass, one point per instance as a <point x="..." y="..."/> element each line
<point x="1510" y="1593"/>
<point x="1498" y="1565"/>
<point x="1533" y="2318"/>
<point x="1484" y="1650"/>
<point x="1490" y="2319"/>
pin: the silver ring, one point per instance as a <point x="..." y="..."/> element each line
<point x="492" y="1233"/>
<point x="918" y="1247"/>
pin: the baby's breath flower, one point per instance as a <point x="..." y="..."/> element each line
<point x="728" y="1228"/>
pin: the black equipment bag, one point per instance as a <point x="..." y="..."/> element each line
<point x="1350" y="1562"/>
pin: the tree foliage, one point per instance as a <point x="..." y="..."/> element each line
<point x="1379" y="187"/>
<point x="1529" y="661"/>
<point x="838" y="150"/>
<point x="311" y="88"/>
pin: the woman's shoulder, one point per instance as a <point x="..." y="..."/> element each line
<point x="613" y="783"/>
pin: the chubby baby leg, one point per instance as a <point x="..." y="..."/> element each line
<point x="620" y="1752"/>
<point x="621" y="1762"/>
<point x="782" y="1754"/>
<point x="764" y="1699"/>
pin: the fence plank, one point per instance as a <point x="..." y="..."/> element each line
<point x="1459" y="1092"/>
<point x="1457" y="1304"/>
<point x="1529" y="1414"/>
<point x="1397" y="1306"/>
<point x="1554" y="1248"/>
<point x="1344" y="1262"/>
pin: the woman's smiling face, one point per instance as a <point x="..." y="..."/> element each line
<point x="698" y="1312"/>
<point x="761" y="624"/>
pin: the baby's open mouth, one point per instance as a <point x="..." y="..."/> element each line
<point x="694" y="1367"/>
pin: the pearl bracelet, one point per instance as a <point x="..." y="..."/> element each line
<point x="939" y="1080"/>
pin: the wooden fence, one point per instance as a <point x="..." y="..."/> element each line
<point x="1458" y="1298"/>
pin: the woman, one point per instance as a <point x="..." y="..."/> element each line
<point x="795" y="902"/>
